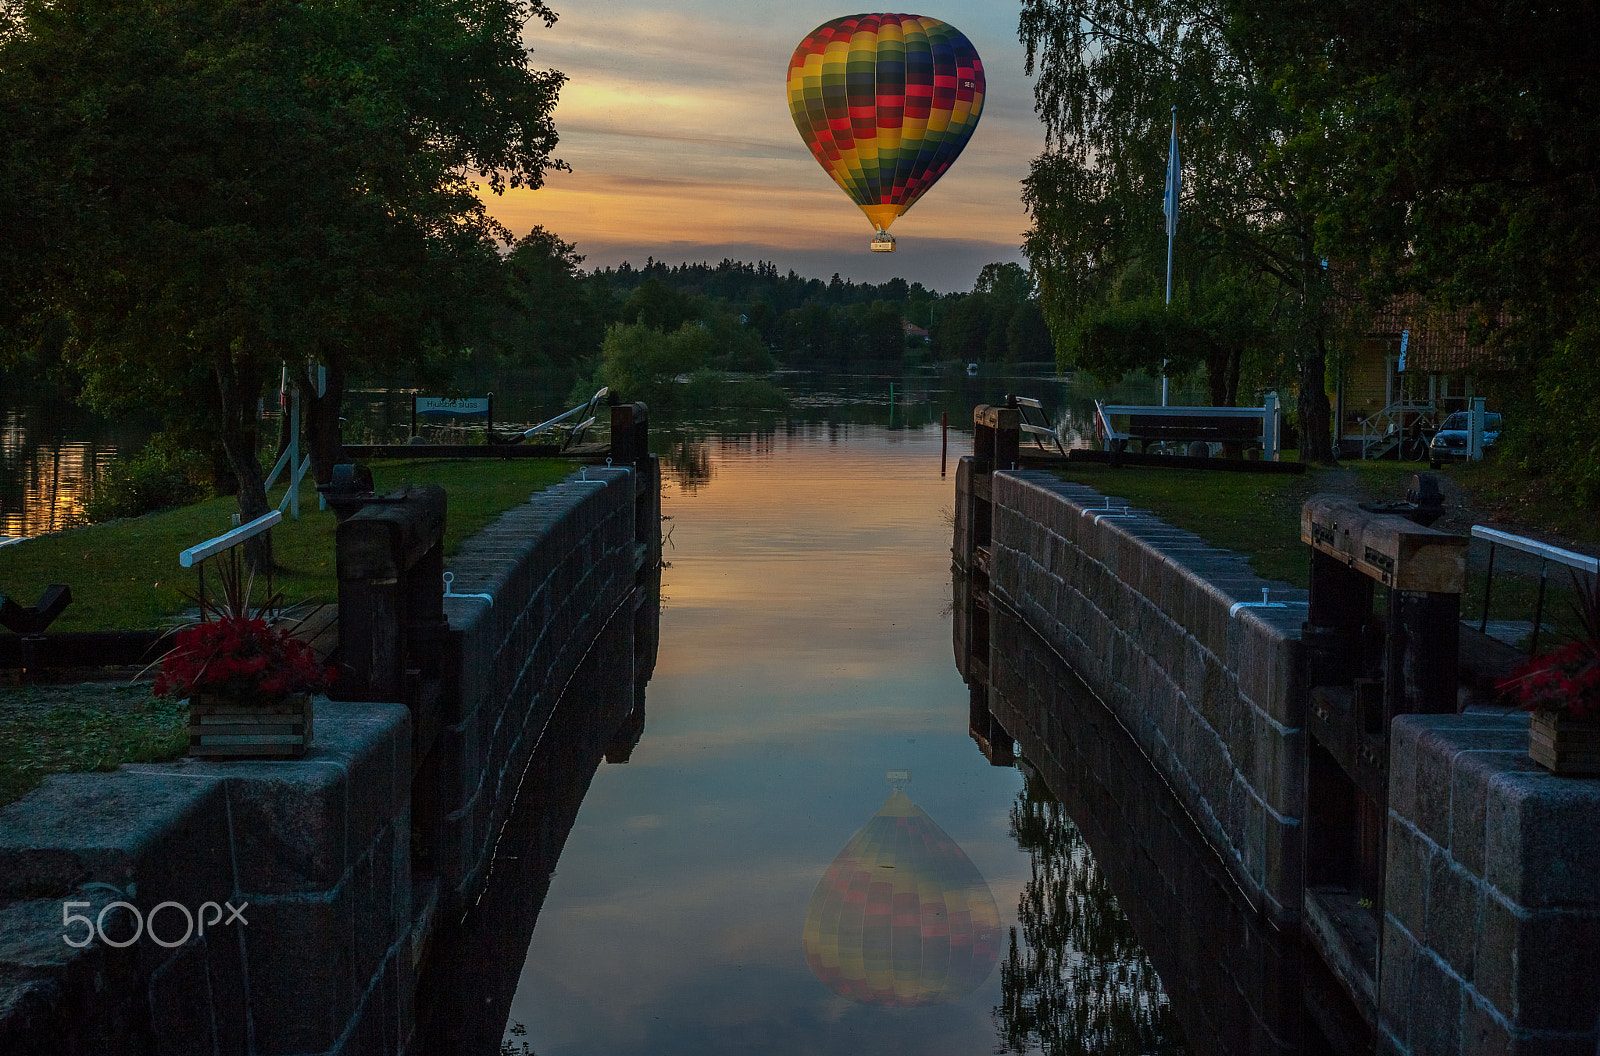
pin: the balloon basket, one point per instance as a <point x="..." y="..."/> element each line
<point x="883" y="242"/>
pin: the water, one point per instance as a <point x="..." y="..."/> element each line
<point x="805" y="653"/>
<point x="49" y="458"/>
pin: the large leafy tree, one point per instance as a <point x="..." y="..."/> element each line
<point x="1467" y="138"/>
<point x="1110" y="73"/>
<point x="214" y="187"/>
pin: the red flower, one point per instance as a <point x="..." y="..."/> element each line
<point x="238" y="657"/>
<point x="1566" y="680"/>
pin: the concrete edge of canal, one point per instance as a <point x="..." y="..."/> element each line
<point x="328" y="875"/>
<point x="1488" y="904"/>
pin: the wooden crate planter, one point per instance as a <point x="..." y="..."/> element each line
<point x="225" y="727"/>
<point x="1565" y="745"/>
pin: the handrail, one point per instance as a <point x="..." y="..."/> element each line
<point x="1581" y="562"/>
<point x="1545" y="553"/>
<point x="1389" y="422"/>
<point x="228" y="540"/>
<point x="1183" y="412"/>
<point x="564" y="415"/>
<point x="1027" y="403"/>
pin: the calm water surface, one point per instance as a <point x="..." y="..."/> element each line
<point x="805" y="652"/>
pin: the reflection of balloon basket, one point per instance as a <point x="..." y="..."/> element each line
<point x="882" y="242"/>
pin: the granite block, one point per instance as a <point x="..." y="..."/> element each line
<point x="302" y="977"/>
<point x="1406" y="876"/>
<point x="1437" y="1001"/>
<point x="1541" y="839"/>
<point x="1495" y="958"/>
<point x="1470" y="777"/>
<point x="1555" y="971"/>
<point x="1396" y="977"/>
<point x="1455" y="899"/>
<point x="1482" y="1032"/>
<point x="136" y="825"/>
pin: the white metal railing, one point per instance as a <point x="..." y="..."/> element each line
<point x="228" y="540"/>
<point x="1388" y="426"/>
<point x="1268" y="412"/>
<point x="1041" y="430"/>
<point x="1545" y="553"/>
<point x="584" y="412"/>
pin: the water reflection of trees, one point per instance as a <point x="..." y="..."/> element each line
<point x="689" y="463"/>
<point x="1078" y="981"/>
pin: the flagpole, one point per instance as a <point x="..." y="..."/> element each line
<point x="1170" y="205"/>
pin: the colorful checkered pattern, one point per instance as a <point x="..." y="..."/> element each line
<point x="903" y="917"/>
<point x="886" y="103"/>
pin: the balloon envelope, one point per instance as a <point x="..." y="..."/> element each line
<point x="886" y="103"/>
<point x="902" y="917"/>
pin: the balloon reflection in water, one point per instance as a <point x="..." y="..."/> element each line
<point x="902" y="918"/>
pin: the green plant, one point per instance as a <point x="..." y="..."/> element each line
<point x="160" y="476"/>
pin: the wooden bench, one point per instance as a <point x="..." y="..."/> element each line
<point x="1150" y="424"/>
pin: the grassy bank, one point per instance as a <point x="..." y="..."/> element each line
<point x="125" y="574"/>
<point x="55" y="729"/>
<point x="1255" y="514"/>
<point x="1259" y="516"/>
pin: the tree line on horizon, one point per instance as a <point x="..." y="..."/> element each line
<point x="197" y="192"/>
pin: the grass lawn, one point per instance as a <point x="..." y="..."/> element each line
<point x="125" y="575"/>
<point x="1255" y="514"/>
<point x="55" y="729"/>
<point x="1259" y="515"/>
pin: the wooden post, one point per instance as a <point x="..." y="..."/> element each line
<point x="389" y="561"/>
<point x="944" y="439"/>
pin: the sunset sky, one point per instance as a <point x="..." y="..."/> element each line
<point x="677" y="127"/>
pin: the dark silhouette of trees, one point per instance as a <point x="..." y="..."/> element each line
<point x="1076" y="982"/>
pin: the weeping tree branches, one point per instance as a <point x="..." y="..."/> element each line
<point x="1109" y="75"/>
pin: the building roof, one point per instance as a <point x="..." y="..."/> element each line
<point x="1440" y="339"/>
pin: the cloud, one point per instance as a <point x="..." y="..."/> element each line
<point x="676" y="124"/>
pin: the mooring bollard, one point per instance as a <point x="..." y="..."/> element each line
<point x="630" y="434"/>
<point x="996" y="437"/>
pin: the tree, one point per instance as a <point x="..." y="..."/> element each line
<point x="1109" y="74"/>
<point x="1467" y="135"/>
<point x="551" y="314"/>
<point x="1076" y="981"/>
<point x="1028" y="334"/>
<point x="225" y="185"/>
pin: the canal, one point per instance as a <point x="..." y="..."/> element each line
<point x="805" y="698"/>
<point x="806" y="851"/>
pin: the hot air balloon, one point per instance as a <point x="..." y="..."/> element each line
<point x="902" y="917"/>
<point x="886" y="103"/>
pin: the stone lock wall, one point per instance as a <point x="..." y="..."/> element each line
<point x="313" y="851"/>
<point x="1146" y="614"/>
<point x="558" y="568"/>
<point x="1491" y="923"/>
<point x="317" y="851"/>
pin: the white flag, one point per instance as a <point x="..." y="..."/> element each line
<point x="1169" y="204"/>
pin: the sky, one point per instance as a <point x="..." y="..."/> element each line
<point x="676" y="124"/>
